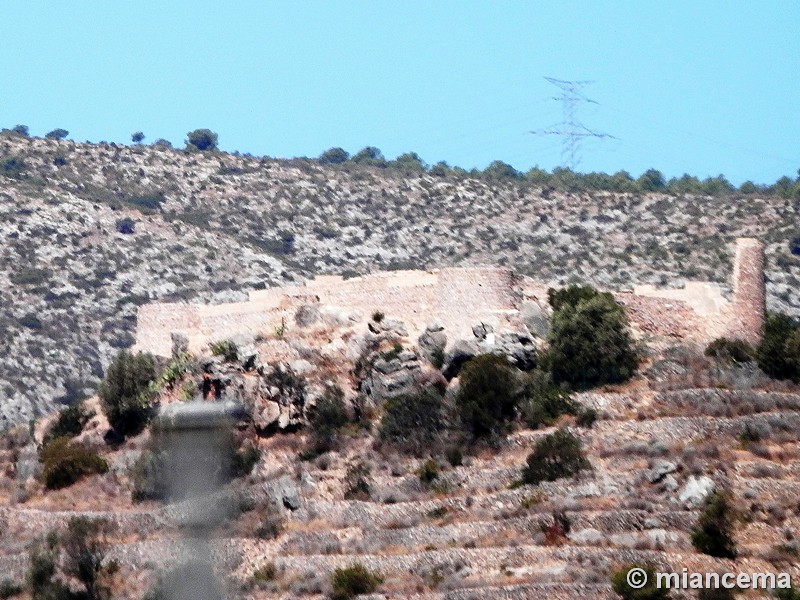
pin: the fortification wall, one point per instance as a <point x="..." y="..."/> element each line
<point x="744" y="317"/>
<point x="156" y="321"/>
<point x="460" y="298"/>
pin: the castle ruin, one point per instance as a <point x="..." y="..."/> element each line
<point x="458" y="298"/>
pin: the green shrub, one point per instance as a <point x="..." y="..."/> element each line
<point x="201" y="140"/>
<point x="12" y="167"/>
<point x="351" y="581"/>
<point x="225" y="348"/>
<point x="778" y="355"/>
<point x="56" y="134"/>
<point x="65" y="462"/>
<point x="714" y="532"/>
<point x="70" y="422"/>
<point x="369" y="156"/>
<point x="325" y="420"/>
<point x="413" y="423"/>
<point x="544" y="401"/>
<point x="487" y="397"/>
<point x="571" y="295"/>
<point x="619" y="583"/>
<point x="334" y="156"/>
<point x="730" y="351"/>
<point x="555" y="456"/>
<point x="428" y="472"/>
<point x="590" y="344"/>
<point x="127" y="391"/>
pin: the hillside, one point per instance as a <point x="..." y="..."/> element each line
<point x="210" y="226"/>
<point x="320" y="374"/>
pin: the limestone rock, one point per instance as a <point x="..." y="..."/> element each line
<point x="284" y="492"/>
<point x="432" y="343"/>
<point x="459" y="353"/>
<point x="394" y="327"/>
<point x="695" y="491"/>
<point x="535" y="318"/>
<point x="660" y="469"/>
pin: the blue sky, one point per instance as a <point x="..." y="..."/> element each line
<point x="703" y="87"/>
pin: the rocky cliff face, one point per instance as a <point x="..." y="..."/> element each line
<point x="89" y="232"/>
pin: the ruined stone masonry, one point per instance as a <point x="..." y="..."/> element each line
<point x="458" y="298"/>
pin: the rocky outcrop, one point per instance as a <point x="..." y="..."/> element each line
<point x="432" y="343"/>
<point x="392" y="374"/>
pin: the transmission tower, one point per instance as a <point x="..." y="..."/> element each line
<point x="570" y="129"/>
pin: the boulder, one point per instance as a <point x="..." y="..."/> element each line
<point x="459" y="353"/>
<point x="482" y="330"/>
<point x="535" y="318"/>
<point x="660" y="469"/>
<point x="432" y="343"/>
<point x="284" y="492"/>
<point x="393" y="327"/>
<point x="695" y="490"/>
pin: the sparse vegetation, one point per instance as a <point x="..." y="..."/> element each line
<point x="358" y="482"/>
<point x="730" y="351"/>
<point x="414" y="422"/>
<point x="127" y="391"/>
<point x="589" y="341"/>
<point x="650" y="591"/>
<point x="714" y="534"/>
<point x="225" y="348"/>
<point x="488" y="395"/>
<point x="65" y="462"/>
<point x="349" y="582"/>
<point x="555" y="456"/>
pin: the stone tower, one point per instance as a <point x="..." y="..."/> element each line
<point x="745" y="320"/>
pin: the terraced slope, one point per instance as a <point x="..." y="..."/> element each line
<point x="475" y="534"/>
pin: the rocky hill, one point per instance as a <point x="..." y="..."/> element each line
<point x="90" y="231"/>
<point x="460" y="528"/>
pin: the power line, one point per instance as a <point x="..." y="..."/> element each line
<point x="570" y="129"/>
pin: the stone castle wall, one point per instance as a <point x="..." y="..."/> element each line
<point x="746" y="314"/>
<point x="458" y="298"/>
